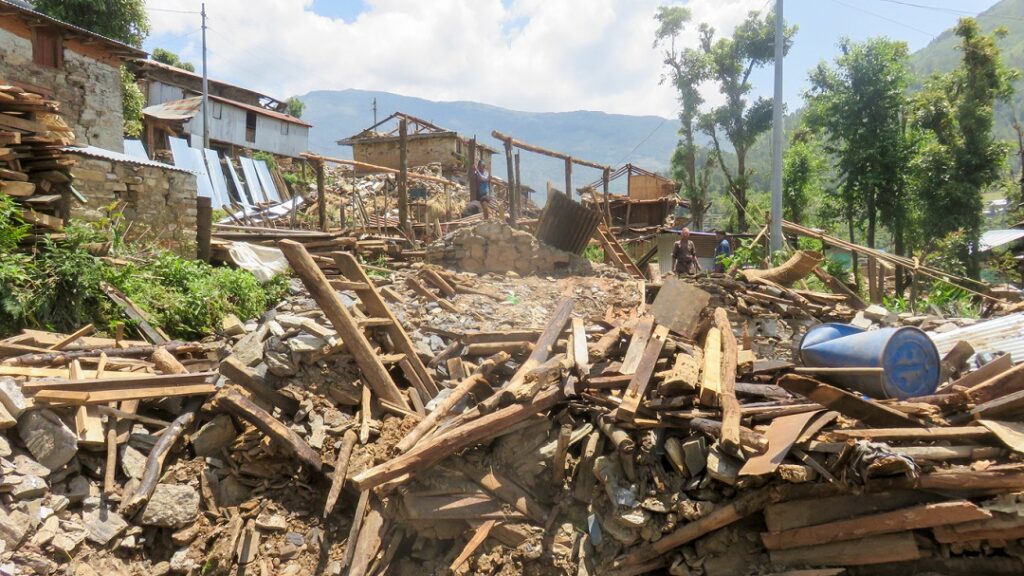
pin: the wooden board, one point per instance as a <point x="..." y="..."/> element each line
<point x="847" y="404"/>
<point x="637" y="345"/>
<point x="642" y="377"/>
<point x="884" y="549"/>
<point x="679" y="305"/>
<point x="923" y="516"/>
<point x="800" y="513"/>
<point x="711" y="375"/>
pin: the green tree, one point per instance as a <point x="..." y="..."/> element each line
<point x="296" y="107"/>
<point x="858" y="106"/>
<point x="731" y="61"/>
<point x="961" y="157"/>
<point x="699" y="196"/>
<point x="802" y="170"/>
<point x="171" y="59"/>
<point x="687" y="69"/>
<point x="132" y="102"/>
<point x="123" y="20"/>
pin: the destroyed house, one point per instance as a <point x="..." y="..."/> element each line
<point x="240" y="119"/>
<point x="73" y="66"/>
<point x="426" y="144"/>
<point x="649" y="200"/>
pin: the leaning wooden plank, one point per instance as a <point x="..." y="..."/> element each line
<point x="376" y="306"/>
<point x="242" y="407"/>
<point x="155" y="460"/>
<point x="992" y="369"/>
<point x="348" y="441"/>
<point x="504" y="488"/>
<point x="915" y="518"/>
<point x="1003" y="407"/>
<point x="637" y="345"/>
<point x="153" y="334"/>
<point x="711" y="374"/>
<point x="679" y="305"/>
<point x="642" y="376"/>
<point x="511" y="390"/>
<point x="580" y="354"/>
<point x="422" y="290"/>
<point x="437" y="507"/>
<point x="730" y="406"/>
<point x="83" y="331"/>
<point x="371" y="534"/>
<point x="781" y="434"/>
<point x="373" y="371"/>
<point x="809" y="512"/>
<point x="882" y="549"/>
<point x="720" y="517"/>
<point x="1009" y="433"/>
<point x="847" y="404"/>
<point x="470" y="433"/>
<point x="442" y="410"/>
<point x="236" y="371"/>
<point x="479" y="535"/>
<point x="997" y="527"/>
<point x="999" y="385"/>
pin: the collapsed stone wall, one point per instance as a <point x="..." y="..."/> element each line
<point x="495" y="246"/>
<point x="161" y="199"/>
<point x="89" y="91"/>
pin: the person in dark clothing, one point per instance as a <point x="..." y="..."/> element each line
<point x="483" y="187"/>
<point x="684" y="255"/>
<point x="722" y="250"/>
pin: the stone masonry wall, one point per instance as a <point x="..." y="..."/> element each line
<point x="494" y="246"/>
<point x="162" y="200"/>
<point x="89" y="91"/>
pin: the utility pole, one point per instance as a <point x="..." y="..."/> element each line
<point x="777" y="136"/>
<point x="374" y="111"/>
<point x="206" y="89"/>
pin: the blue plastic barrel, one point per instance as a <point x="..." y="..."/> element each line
<point x="907" y="356"/>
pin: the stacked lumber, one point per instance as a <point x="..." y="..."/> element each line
<point x="32" y="167"/>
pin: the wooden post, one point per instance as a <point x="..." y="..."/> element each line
<point x="568" y="177"/>
<point x="605" y="181"/>
<point x="513" y="200"/>
<point x="321" y="195"/>
<point x="403" y="172"/>
<point x="471" y="171"/>
<point x="204" y="225"/>
<point x="519" y="190"/>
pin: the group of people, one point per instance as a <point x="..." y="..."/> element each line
<point x="684" y="254"/>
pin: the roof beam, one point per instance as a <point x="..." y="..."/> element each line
<point x="545" y="152"/>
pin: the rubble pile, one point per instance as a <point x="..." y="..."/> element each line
<point x="494" y="246"/>
<point x="431" y="421"/>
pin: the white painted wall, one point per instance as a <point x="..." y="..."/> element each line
<point x="230" y="127"/>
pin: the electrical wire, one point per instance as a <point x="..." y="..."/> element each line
<point x="646" y="138"/>
<point x="172" y="10"/>
<point x="887" y="19"/>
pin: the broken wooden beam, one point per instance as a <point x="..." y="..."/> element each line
<point x="233" y="402"/>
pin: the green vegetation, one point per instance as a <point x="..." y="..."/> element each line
<point x="132" y="101"/>
<point x="123" y="20"/>
<point x="60" y="288"/>
<point x="296" y="106"/>
<point x="594" y="253"/>
<point x="171" y="59"/>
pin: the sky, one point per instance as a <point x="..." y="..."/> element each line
<point x="530" y="55"/>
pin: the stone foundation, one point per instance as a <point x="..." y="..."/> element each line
<point x="160" y="199"/>
<point x="497" y="247"/>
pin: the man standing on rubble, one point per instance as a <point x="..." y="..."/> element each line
<point x="483" y="187"/>
<point x="722" y="251"/>
<point x="684" y="255"/>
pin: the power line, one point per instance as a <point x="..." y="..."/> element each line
<point x="646" y="138"/>
<point x="944" y="10"/>
<point x="172" y="10"/>
<point x="887" y="19"/>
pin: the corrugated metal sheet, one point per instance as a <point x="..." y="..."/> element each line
<point x="565" y="224"/>
<point x="1004" y="334"/>
<point x="105" y="154"/>
<point x="176" y="110"/>
<point x="996" y="238"/>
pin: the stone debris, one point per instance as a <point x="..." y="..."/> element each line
<point x="510" y="419"/>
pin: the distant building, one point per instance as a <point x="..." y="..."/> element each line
<point x="78" y="68"/>
<point x="427" y="143"/>
<point x="649" y="200"/>
<point x="240" y="119"/>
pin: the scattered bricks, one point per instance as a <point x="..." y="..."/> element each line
<point x="11" y="397"/>
<point x="101" y="523"/>
<point x="49" y="440"/>
<point x="29" y="488"/>
<point x="14" y="526"/>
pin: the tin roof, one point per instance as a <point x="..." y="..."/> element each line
<point x="996" y="238"/>
<point x="187" y="108"/>
<point x="1004" y="334"/>
<point x="25" y="10"/>
<point x="103" y="153"/>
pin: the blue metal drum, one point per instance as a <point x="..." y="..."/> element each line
<point x="909" y="359"/>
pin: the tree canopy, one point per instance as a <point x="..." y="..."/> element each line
<point x="123" y="20"/>
<point x="171" y="59"/>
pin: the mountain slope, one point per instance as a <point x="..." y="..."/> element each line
<point x="594" y="136"/>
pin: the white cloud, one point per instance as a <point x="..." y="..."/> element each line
<point x="536" y="55"/>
